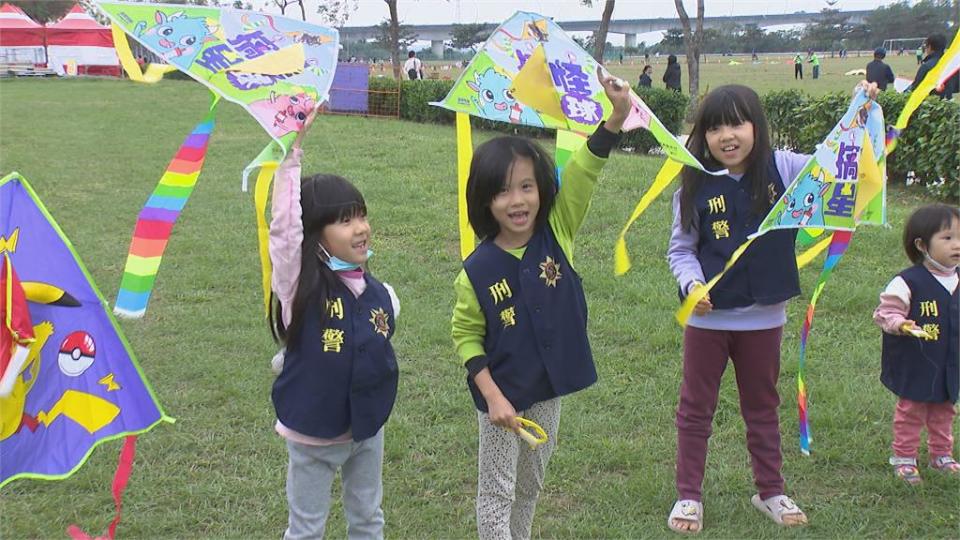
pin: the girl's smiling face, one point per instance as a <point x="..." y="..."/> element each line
<point x="348" y="239"/>
<point x="517" y="204"/>
<point x="731" y="145"/>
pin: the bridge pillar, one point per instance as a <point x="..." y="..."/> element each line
<point x="436" y="46"/>
<point x="630" y="41"/>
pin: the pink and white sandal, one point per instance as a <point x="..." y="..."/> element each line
<point x="906" y="469"/>
<point x="945" y="464"/>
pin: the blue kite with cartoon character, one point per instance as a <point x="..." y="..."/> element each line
<point x="803" y="203"/>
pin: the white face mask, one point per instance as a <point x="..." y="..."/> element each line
<point x="336" y="263"/>
<point x="929" y="260"/>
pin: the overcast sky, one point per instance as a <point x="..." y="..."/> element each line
<point x="372" y="12"/>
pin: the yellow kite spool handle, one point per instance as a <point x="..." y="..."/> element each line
<point x="535" y="439"/>
<point x="916" y="331"/>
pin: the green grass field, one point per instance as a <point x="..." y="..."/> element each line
<point x="94" y="149"/>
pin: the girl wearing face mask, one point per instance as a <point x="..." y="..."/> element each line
<point x="337" y="374"/>
<point x="919" y="316"/>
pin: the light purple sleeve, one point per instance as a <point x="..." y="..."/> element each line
<point x="682" y="251"/>
<point x="789" y="164"/>
<point x="286" y="232"/>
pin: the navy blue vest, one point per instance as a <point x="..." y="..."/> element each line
<point x="344" y="375"/>
<point x="536" y="321"/>
<point x="918" y="369"/>
<point x="767" y="272"/>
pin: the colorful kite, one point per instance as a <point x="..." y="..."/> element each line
<point x="529" y="72"/>
<point x="277" y="69"/>
<point x="842" y="185"/>
<point x="74" y="381"/>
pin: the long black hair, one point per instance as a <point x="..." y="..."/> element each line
<point x="492" y="164"/>
<point x="730" y="105"/>
<point x="325" y="199"/>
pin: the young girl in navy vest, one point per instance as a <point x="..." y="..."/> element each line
<point x="520" y="320"/>
<point x="742" y="318"/>
<point x="338" y="379"/>
<point x="919" y="313"/>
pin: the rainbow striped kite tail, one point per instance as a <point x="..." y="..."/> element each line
<point x="890" y="139"/>
<point x="804" y="420"/>
<point x="157" y="218"/>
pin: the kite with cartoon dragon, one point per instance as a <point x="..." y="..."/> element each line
<point x="276" y="68"/>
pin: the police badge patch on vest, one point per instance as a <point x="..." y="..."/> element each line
<point x="550" y="272"/>
<point x="381" y="321"/>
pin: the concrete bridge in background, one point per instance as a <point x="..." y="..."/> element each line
<point x="438" y="33"/>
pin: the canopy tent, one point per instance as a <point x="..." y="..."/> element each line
<point x="78" y="38"/>
<point x="21" y="38"/>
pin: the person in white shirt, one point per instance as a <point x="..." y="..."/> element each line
<point x="413" y="66"/>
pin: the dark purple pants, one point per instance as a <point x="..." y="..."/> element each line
<point x="756" y="360"/>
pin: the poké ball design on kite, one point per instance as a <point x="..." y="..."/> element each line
<point x="76" y="353"/>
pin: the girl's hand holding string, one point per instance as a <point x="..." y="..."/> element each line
<point x="499" y="408"/>
<point x="910" y="328"/>
<point x="618" y="92"/>
<point x="502" y="413"/>
<point x="704" y="306"/>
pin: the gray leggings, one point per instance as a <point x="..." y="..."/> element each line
<point x="310" y="476"/>
<point x="511" y="473"/>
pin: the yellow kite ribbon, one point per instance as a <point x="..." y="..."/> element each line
<point x="464" y="157"/>
<point x="154" y="73"/>
<point x="261" y="193"/>
<point x="698" y="293"/>
<point x="669" y="170"/>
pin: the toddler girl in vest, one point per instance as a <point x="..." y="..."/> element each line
<point x="742" y="318"/>
<point x="338" y="378"/>
<point x="520" y="320"/>
<point x="918" y="313"/>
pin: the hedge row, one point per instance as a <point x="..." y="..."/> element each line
<point x="930" y="146"/>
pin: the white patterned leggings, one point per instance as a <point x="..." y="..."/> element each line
<point x="511" y="473"/>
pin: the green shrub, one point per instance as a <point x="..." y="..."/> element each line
<point x="382" y="99"/>
<point x="415" y="98"/>
<point x="782" y="108"/>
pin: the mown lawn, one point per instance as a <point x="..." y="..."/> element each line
<point x="93" y="151"/>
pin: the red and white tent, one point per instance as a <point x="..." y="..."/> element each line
<point x="80" y="39"/>
<point x="21" y="38"/>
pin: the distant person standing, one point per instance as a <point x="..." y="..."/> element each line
<point x="920" y="54"/>
<point x="413" y="66"/>
<point x="671" y="77"/>
<point x="878" y="71"/>
<point x="813" y="59"/>
<point x="798" y="67"/>
<point x="646" y="79"/>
